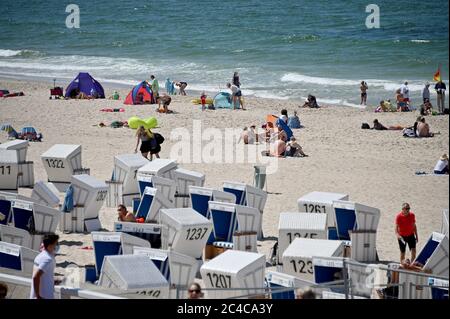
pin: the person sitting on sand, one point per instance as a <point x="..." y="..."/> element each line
<point x="382" y="107"/>
<point x="402" y="103"/>
<point x="114" y="96"/>
<point x="268" y="127"/>
<point x="294" y="121"/>
<point x="124" y="215"/>
<point x="140" y="98"/>
<point x="423" y="129"/>
<point x="441" y="167"/>
<point x="278" y="148"/>
<point x="380" y="127"/>
<point x="182" y="86"/>
<point x="311" y="102"/>
<point x="426" y="108"/>
<point x="244" y="136"/>
<point x="294" y="149"/>
<point x="165" y="101"/>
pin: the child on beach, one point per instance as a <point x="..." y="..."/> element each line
<point x="203" y="100"/>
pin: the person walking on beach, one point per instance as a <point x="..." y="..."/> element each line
<point x="363" y="89"/>
<point x="236" y="94"/>
<point x="406" y="231"/>
<point x="236" y="80"/>
<point x="43" y="283"/>
<point x="143" y="135"/>
<point x="440" y="90"/>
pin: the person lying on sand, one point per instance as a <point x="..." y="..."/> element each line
<point x="380" y="127"/>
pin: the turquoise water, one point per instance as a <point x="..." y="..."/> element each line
<point x="283" y="49"/>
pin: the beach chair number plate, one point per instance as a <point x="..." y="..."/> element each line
<point x="101" y="195"/>
<point x="150" y="293"/>
<point x="311" y="208"/>
<point x="5" y="170"/>
<point x="219" y="281"/>
<point x="298" y="235"/>
<point x="196" y="233"/>
<point x="54" y="163"/>
<point x="300" y="266"/>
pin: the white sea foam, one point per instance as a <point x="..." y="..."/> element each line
<point x="295" y="77"/>
<point x="419" y="41"/>
<point x="6" y="53"/>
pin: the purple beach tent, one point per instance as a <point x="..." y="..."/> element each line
<point x="85" y="83"/>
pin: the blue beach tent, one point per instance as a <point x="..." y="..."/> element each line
<point x="85" y="83"/>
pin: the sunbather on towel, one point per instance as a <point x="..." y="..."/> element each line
<point x="380" y="127"/>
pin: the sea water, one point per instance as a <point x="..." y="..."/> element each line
<point x="282" y="49"/>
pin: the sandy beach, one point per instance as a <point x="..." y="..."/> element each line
<point x="376" y="168"/>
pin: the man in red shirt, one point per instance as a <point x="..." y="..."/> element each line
<point x="406" y="232"/>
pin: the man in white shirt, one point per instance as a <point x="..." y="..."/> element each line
<point x="404" y="90"/>
<point x="441" y="167"/>
<point x="43" y="283"/>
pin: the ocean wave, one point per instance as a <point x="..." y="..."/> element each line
<point x="420" y="41"/>
<point x="18" y="53"/>
<point x="268" y="95"/>
<point x="295" y="77"/>
<point x="293" y="38"/>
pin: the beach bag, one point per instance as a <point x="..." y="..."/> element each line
<point x="365" y="126"/>
<point x="159" y="138"/>
<point x="409" y="132"/>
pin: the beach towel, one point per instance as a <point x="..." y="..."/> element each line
<point x="13" y="94"/>
<point x="285" y="127"/>
<point x="422" y="173"/>
<point x="409" y="132"/>
<point x="68" y="200"/>
<point x="113" y="110"/>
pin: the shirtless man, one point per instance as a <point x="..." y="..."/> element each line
<point x="124" y="215"/>
<point x="423" y="129"/>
